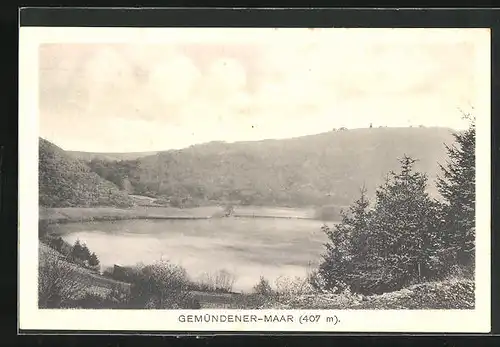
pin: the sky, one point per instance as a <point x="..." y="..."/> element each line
<point x="133" y="96"/>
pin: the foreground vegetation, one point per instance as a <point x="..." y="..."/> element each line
<point x="163" y="285"/>
<point x="405" y="237"/>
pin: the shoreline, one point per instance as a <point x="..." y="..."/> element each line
<point x="62" y="215"/>
<point x="116" y="218"/>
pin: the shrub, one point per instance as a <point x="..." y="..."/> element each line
<point x="460" y="272"/>
<point x="57" y="286"/>
<point x="254" y="301"/>
<point x="287" y="287"/>
<point x="161" y="286"/>
<point x="108" y="272"/>
<point x="449" y="294"/>
<point x="162" y="201"/>
<point x="317" y="282"/>
<point x="222" y="281"/>
<point x="102" y="298"/>
<point x="263" y="287"/>
<point x="344" y="300"/>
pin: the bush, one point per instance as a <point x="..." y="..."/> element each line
<point x="108" y="273"/>
<point x="444" y="295"/>
<point x="344" y="300"/>
<point x="317" y="282"/>
<point x="93" y="299"/>
<point x="254" y="301"/>
<point x="287" y="287"/>
<point x="222" y="281"/>
<point x="57" y="286"/>
<point x="162" y="201"/>
<point x="263" y="287"/>
<point x="161" y="286"/>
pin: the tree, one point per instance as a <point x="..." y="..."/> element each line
<point x="57" y="243"/>
<point x="93" y="260"/>
<point x="346" y="245"/>
<point x="404" y="226"/>
<point x="457" y="187"/>
<point x="390" y="246"/>
<point x="85" y="255"/>
<point x="77" y="250"/>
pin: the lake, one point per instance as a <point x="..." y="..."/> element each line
<point x="247" y="247"/>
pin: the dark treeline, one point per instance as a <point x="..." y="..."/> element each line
<point x="406" y="237"/>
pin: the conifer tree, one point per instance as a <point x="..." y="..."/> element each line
<point x="347" y="246"/>
<point x="85" y="255"/>
<point x="333" y="268"/>
<point x="93" y="260"/>
<point x="77" y="250"/>
<point x="390" y="246"/>
<point x="457" y="187"/>
<point x="404" y="227"/>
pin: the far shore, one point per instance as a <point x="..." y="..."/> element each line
<point x="89" y="214"/>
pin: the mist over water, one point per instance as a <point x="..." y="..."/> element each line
<point x="246" y="247"/>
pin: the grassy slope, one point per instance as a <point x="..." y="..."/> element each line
<point x="447" y="294"/>
<point x="91" y="280"/>
<point x="65" y="181"/>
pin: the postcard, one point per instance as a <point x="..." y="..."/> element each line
<point x="254" y="179"/>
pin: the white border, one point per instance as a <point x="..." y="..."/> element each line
<point x="30" y="317"/>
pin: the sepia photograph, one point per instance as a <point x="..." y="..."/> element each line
<point x="262" y="169"/>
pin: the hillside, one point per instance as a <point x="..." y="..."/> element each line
<point x="314" y="170"/>
<point x="65" y="182"/>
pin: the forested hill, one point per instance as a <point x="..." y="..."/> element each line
<point x="321" y="169"/>
<point x="65" y="181"/>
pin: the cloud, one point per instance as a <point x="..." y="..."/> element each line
<point x="174" y="80"/>
<point x="289" y="85"/>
